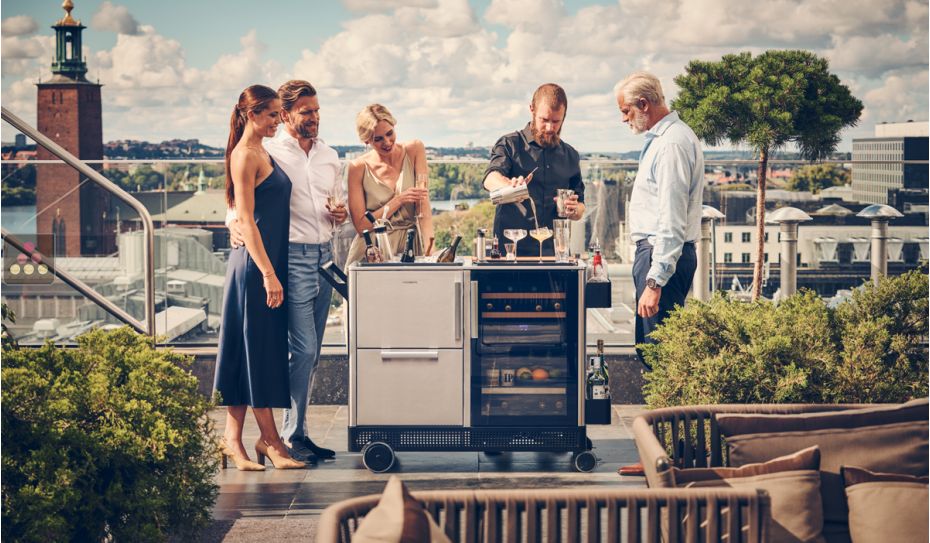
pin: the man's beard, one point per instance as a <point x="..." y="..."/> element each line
<point x="638" y="122"/>
<point x="308" y="130"/>
<point x="546" y="140"/>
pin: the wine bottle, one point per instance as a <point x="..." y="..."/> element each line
<point x="370" y="216"/>
<point x="372" y="253"/>
<point x="408" y="246"/>
<point x="448" y="254"/>
<point x="597" y="375"/>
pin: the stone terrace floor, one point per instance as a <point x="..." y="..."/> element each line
<point x="285" y="505"/>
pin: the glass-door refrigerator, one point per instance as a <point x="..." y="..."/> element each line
<point x="525" y="353"/>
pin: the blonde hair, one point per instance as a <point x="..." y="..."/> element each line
<point x="640" y="85"/>
<point x="369" y="117"/>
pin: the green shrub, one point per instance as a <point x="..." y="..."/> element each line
<point x="872" y="348"/>
<point x="884" y="331"/>
<point x="110" y="440"/>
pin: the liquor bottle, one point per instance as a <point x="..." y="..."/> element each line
<point x="408" y="246"/>
<point x="372" y="253"/>
<point x="495" y="248"/>
<point x="448" y="254"/>
<point x="371" y="217"/>
<point x="598" y="268"/>
<point x="597" y="375"/>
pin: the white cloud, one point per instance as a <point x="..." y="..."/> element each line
<point x="452" y="75"/>
<point x="20" y="25"/>
<point x="115" y="18"/>
<point x="385" y="5"/>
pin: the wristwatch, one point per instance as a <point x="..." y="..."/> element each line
<point x="651" y="283"/>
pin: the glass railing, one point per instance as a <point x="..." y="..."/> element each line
<point x="99" y="240"/>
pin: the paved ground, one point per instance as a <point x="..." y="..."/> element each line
<point x="285" y="505"/>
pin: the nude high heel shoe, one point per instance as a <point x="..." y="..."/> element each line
<point x="277" y="460"/>
<point x="242" y="463"/>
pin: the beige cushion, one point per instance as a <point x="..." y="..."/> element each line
<point x="885" y="507"/>
<point x="883" y="438"/>
<point x="792" y="481"/>
<point x="398" y="518"/>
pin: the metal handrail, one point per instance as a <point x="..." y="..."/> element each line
<point x="148" y="227"/>
<point x="77" y="284"/>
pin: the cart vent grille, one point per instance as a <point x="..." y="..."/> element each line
<point x="421" y="438"/>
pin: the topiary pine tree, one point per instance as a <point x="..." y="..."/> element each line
<point x="767" y="101"/>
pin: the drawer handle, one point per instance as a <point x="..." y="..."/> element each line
<point x="409" y="355"/>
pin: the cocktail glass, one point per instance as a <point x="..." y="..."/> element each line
<point x="514" y="235"/>
<point x="541" y="235"/>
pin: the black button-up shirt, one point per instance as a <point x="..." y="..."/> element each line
<point x="517" y="154"/>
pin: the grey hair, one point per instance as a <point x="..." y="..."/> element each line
<point x="640" y="85"/>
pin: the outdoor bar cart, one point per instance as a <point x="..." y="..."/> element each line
<point x="465" y="356"/>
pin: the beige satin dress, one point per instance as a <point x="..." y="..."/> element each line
<point x="376" y="195"/>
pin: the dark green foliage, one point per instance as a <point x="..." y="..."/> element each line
<point x="884" y="331"/>
<point x="19" y="186"/>
<point x="110" y="440"/>
<point x="767" y="101"/>
<point x="872" y="348"/>
<point x="466" y="224"/>
<point x="816" y="177"/>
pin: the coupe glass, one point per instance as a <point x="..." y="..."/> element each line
<point x="541" y="235"/>
<point x="514" y="235"/>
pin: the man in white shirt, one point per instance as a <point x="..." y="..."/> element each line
<point x="665" y="216"/>
<point x="316" y="175"/>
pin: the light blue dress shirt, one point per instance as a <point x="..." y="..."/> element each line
<point x="665" y="206"/>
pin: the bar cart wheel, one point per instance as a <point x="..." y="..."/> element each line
<point x="378" y="456"/>
<point x="584" y="461"/>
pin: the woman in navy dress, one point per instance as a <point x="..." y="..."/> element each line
<point x="252" y="363"/>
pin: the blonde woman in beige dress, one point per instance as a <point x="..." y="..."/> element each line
<point x="383" y="181"/>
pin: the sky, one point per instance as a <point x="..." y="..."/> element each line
<point x="453" y="72"/>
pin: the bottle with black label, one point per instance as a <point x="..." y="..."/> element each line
<point x="372" y="253"/>
<point x="598" y="385"/>
<point x="448" y="254"/>
<point x="408" y="255"/>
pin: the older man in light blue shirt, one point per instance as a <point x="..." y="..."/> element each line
<point x="665" y="207"/>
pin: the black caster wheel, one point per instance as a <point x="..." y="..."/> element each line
<point x="584" y="461"/>
<point x="378" y="456"/>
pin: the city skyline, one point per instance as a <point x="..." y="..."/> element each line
<point x="453" y="72"/>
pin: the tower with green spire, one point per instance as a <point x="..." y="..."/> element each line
<point x="69" y="112"/>
<point x="69" y="57"/>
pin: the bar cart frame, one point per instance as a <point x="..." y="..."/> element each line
<point x="380" y="442"/>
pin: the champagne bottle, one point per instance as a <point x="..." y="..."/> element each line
<point x="371" y="217"/>
<point x="448" y="254"/>
<point x="372" y="253"/>
<point x="408" y="246"/>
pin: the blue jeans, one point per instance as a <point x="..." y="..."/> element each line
<point x="673" y="293"/>
<point x="308" y="299"/>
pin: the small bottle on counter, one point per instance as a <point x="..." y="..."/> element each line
<point x="408" y="255"/>
<point x="598" y="268"/>
<point x="372" y="253"/>
<point x="495" y="248"/>
<point x="597" y="380"/>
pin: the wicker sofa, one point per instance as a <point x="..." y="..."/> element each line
<point x="587" y="514"/>
<point x="689" y="437"/>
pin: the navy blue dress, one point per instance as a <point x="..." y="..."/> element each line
<point x="252" y="360"/>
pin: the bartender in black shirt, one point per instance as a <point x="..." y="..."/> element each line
<point x="536" y="147"/>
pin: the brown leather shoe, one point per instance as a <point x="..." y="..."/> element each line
<point x="632" y="469"/>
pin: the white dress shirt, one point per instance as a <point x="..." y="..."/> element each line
<point x="313" y="176"/>
<point x="665" y="205"/>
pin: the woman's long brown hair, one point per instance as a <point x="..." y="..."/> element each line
<point x="254" y="99"/>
